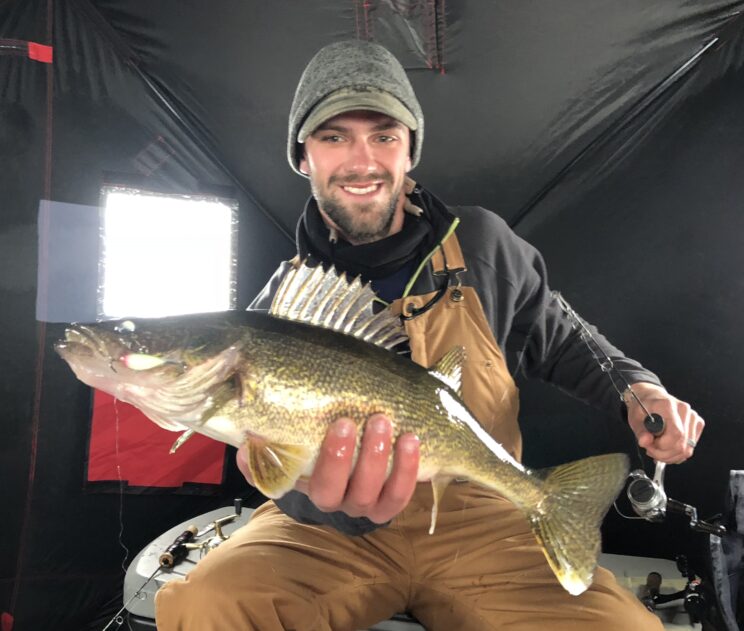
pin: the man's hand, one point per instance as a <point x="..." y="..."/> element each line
<point x="682" y="425"/>
<point x="364" y="490"/>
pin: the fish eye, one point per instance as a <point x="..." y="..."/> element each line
<point x="127" y="326"/>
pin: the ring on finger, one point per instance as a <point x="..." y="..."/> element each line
<point x="691" y="443"/>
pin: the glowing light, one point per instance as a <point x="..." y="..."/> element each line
<point x="165" y="254"/>
<point x="459" y="413"/>
<point x="138" y="361"/>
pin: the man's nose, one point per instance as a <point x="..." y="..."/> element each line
<point x="361" y="157"/>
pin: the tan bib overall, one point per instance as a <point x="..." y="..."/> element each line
<point x="457" y="319"/>
<point x="482" y="569"/>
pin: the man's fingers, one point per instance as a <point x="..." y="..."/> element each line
<point x="695" y="429"/>
<point x="679" y="443"/>
<point x="646" y="440"/>
<point x="327" y="485"/>
<point x="371" y="468"/>
<point x="695" y="426"/>
<point x="670" y="446"/>
<point x="401" y="484"/>
<point x="368" y="490"/>
<point x="682" y="428"/>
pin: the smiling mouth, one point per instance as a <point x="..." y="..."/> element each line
<point x="362" y="190"/>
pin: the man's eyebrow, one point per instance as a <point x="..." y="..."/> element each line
<point x="331" y="127"/>
<point x="389" y="123"/>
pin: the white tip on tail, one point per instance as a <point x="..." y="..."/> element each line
<point x="574" y="584"/>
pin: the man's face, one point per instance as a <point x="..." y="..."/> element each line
<point x="357" y="164"/>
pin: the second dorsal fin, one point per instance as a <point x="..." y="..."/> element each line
<point x="327" y="299"/>
<point x="449" y="368"/>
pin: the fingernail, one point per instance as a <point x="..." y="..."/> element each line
<point x="409" y="444"/>
<point x="343" y="428"/>
<point x="380" y="425"/>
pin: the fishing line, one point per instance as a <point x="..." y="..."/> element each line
<point x="118" y="619"/>
<point x="653" y="422"/>
<point x="121" y="487"/>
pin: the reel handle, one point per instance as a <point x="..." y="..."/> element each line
<point x="654" y="424"/>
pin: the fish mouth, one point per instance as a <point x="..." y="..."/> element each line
<point x="81" y="341"/>
<point x="88" y="355"/>
<point x="69" y="351"/>
<point x="99" y="358"/>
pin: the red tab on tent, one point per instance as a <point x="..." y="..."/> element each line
<point x="6" y="621"/>
<point x="142" y="453"/>
<point x="39" y="52"/>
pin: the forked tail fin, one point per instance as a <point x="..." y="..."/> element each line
<point x="567" y="522"/>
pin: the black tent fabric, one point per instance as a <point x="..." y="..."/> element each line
<point x="608" y="134"/>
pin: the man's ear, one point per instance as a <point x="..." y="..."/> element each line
<point x="411" y="145"/>
<point x="302" y="155"/>
<point x="304" y="168"/>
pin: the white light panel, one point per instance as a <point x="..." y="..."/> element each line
<point x="165" y="255"/>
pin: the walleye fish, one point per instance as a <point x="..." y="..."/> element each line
<point x="276" y="381"/>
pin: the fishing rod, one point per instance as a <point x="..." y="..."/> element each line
<point x="118" y="619"/>
<point x="178" y="551"/>
<point x="647" y="495"/>
<point x="174" y="554"/>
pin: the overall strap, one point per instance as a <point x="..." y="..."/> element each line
<point x="448" y="257"/>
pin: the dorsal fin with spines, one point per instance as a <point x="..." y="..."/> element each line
<point x="328" y="300"/>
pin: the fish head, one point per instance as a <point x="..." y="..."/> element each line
<point x="132" y="358"/>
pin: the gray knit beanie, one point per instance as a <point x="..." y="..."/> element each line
<point x="352" y="75"/>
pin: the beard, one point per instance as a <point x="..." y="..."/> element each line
<point x="362" y="222"/>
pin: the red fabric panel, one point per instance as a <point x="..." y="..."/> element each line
<point x="39" y="52"/>
<point x="143" y="448"/>
<point x="6" y="621"/>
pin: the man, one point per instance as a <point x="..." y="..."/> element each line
<point x="350" y="546"/>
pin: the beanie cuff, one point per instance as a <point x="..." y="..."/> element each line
<point x="356" y="98"/>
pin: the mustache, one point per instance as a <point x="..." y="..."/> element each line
<point x="360" y="179"/>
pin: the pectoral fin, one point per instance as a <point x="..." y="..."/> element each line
<point x="438" y="484"/>
<point x="275" y="467"/>
<point x="181" y="440"/>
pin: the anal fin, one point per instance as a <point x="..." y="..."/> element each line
<point x="438" y="484"/>
<point x="275" y="467"/>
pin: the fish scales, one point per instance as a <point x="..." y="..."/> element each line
<point x="296" y="367"/>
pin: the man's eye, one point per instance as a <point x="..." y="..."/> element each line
<point x="332" y="139"/>
<point x="386" y="139"/>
